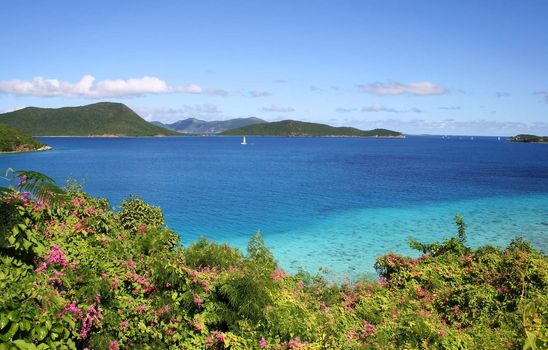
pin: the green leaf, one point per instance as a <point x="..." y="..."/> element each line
<point x="4" y="321"/>
<point x="26" y="244"/>
<point x="23" y="345"/>
<point x="39" y="333"/>
<point x="11" y="332"/>
<point x="13" y="315"/>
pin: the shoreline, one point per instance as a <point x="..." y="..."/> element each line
<point x="41" y="149"/>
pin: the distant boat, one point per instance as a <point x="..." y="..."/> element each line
<point x="244" y="142"/>
<point x="499" y="138"/>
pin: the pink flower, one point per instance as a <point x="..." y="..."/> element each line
<point x="279" y="274"/>
<point x="56" y="256"/>
<point x="369" y="330"/>
<point x="77" y="202"/>
<point x="220" y="337"/>
<point x="262" y="343"/>
<point x="72" y="308"/>
<point x="295" y="343"/>
<point x="130" y="263"/>
<point x="41" y="268"/>
<point x="114" y="283"/>
<point x="456" y="310"/>
<point x="124" y="325"/>
<point x="141" y="309"/>
<point x="113" y="345"/>
<point x="198" y="301"/>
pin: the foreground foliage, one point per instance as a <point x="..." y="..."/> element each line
<point x="75" y="274"/>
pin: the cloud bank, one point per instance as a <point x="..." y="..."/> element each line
<point x="167" y="115"/>
<point x="542" y="93"/>
<point x="456" y="127"/>
<point x="500" y="94"/>
<point x="88" y="87"/>
<point x="259" y="93"/>
<point x="278" y="108"/>
<point x="397" y="88"/>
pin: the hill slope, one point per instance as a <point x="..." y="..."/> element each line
<point x="298" y="128"/>
<point x="197" y="126"/>
<point x="104" y="118"/>
<point x="13" y="140"/>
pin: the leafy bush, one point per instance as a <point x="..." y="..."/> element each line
<point x="75" y="274"/>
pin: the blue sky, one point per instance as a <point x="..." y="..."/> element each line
<point x="440" y="67"/>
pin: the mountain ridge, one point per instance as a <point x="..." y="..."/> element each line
<point x="97" y="119"/>
<point x="299" y="128"/>
<point x="198" y="126"/>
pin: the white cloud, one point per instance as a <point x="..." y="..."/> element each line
<point x="189" y="89"/>
<point x="397" y="88"/>
<point x="278" y="108"/>
<point x="455" y="127"/>
<point x="377" y="107"/>
<point x="166" y="114"/>
<point x="543" y="93"/>
<point x="345" y="110"/>
<point x="259" y="93"/>
<point x="500" y="94"/>
<point x="88" y="87"/>
<point x="216" y="91"/>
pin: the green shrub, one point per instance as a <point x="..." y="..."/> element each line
<point x="75" y="274"/>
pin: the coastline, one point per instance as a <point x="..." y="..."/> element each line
<point x="41" y="149"/>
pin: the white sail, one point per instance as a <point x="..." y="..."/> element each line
<point x="244" y="141"/>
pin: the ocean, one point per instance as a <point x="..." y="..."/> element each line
<point x="322" y="204"/>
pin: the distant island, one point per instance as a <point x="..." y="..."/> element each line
<point x="529" y="138"/>
<point x="13" y="140"/>
<point x="108" y="119"/>
<point x="99" y="119"/>
<point x="298" y="128"/>
<point x="197" y="126"/>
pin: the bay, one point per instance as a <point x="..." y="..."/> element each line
<point x="335" y="203"/>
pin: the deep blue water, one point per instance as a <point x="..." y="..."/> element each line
<point x="331" y="202"/>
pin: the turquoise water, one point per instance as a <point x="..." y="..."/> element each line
<point x="336" y="203"/>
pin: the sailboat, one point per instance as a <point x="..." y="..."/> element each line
<point x="244" y="142"/>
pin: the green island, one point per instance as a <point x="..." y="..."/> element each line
<point x="13" y="141"/>
<point x="98" y="119"/>
<point x="298" y="128"/>
<point x="529" y="138"/>
<point x="77" y="274"/>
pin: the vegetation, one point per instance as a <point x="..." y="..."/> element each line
<point x="298" y="128"/>
<point x="13" y="140"/>
<point x="528" y="138"/>
<point x="97" y="119"/>
<point x="197" y="126"/>
<point x="75" y="274"/>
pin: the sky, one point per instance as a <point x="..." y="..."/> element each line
<point x="421" y="67"/>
